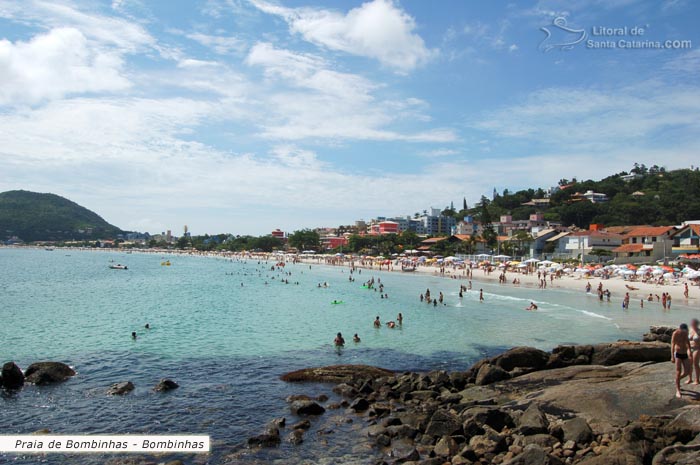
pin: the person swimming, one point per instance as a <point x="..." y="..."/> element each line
<point x="532" y="307"/>
<point x="391" y="324"/>
<point x="339" y="341"/>
<point x="148" y="326"/>
<point x="356" y="338"/>
<point x="133" y="335"/>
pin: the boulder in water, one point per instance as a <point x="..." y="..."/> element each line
<point x="12" y="376"/>
<point x="166" y="385"/>
<point x="41" y="373"/>
<point x="119" y="389"/>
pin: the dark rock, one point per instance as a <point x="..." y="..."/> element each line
<point x="279" y="422"/>
<point x="295" y="397"/>
<point x="443" y="423"/>
<point x="659" y="334"/>
<point x="166" y="385"/>
<point x="620" y="352"/>
<point x="12" y="376"/>
<point x="296" y="436"/>
<point x="533" y="455"/>
<point x="533" y="421"/>
<point x="542" y="440"/>
<point x="492" y="416"/>
<point x="401" y="431"/>
<point x="335" y="373"/>
<point x="303" y="424"/>
<point x="383" y="440"/>
<point x="678" y="455"/>
<point x="359" y="405"/>
<point x="345" y="390"/>
<point x="379" y="410"/>
<point x="577" y="430"/>
<point x="321" y="398"/>
<point x="490" y="374"/>
<point x="41" y="373"/>
<point x="271" y="438"/>
<point x="306" y="407"/>
<point x="119" y="389"/>
<point x="526" y="358"/>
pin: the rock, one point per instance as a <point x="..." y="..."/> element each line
<point x="401" y="431"/>
<point x="446" y="447"/>
<point x="678" y="455"/>
<point x="306" y="407"/>
<point x="294" y="397"/>
<point x="533" y="455"/>
<point x="620" y="352"/>
<point x="271" y="438"/>
<point x="119" y="389"/>
<point x="527" y="359"/>
<point x="491" y="416"/>
<point x="577" y="430"/>
<point x="279" y="422"/>
<point x="359" y="405"/>
<point x="488" y="443"/>
<point x="345" y="390"/>
<point x="166" y="385"/>
<point x="659" y="333"/>
<point x="41" y="373"/>
<point x="542" y="440"/>
<point x="12" y="376"/>
<point x="685" y="425"/>
<point x="443" y="423"/>
<point x="490" y="374"/>
<point x="403" y="453"/>
<point x="533" y="421"/>
<point x="335" y="373"/>
<point x="296" y="436"/>
<point x="303" y="424"/>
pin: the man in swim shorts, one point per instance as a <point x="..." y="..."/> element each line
<point x="680" y="355"/>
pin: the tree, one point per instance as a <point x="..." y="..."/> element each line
<point x="183" y="242"/>
<point x="305" y="239"/>
<point x="464" y="203"/>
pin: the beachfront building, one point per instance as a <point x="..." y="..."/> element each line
<point x="539" y="240"/>
<point x="466" y="227"/>
<point x="686" y="240"/>
<point x="573" y="244"/>
<point x="384" y="227"/>
<point x="435" y="223"/>
<point x="333" y="242"/>
<point x="645" y="244"/>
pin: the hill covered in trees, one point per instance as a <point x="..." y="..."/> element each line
<point x="642" y="196"/>
<point x="32" y="216"/>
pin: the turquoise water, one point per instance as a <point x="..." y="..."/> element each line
<point x="226" y="335"/>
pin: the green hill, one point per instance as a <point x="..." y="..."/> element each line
<point x="32" y="216"/>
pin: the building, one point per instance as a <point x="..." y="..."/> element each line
<point x="645" y="243"/>
<point x="584" y="242"/>
<point x="593" y="197"/>
<point x="686" y="240"/>
<point x="384" y="227"/>
<point x="333" y="242"/>
<point x="466" y="227"/>
<point x="279" y="234"/>
<point x="435" y="223"/>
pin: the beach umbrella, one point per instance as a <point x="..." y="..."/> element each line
<point x="668" y="275"/>
<point x="657" y="272"/>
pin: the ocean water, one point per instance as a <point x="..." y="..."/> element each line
<point x="226" y="330"/>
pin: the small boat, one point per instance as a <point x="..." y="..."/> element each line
<point x="118" y="267"/>
<point x="165" y="263"/>
<point x="49" y="249"/>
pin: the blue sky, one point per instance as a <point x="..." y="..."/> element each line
<point x="247" y="115"/>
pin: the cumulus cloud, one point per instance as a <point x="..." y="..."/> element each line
<point x="378" y="29"/>
<point x="223" y="45"/>
<point x="55" y="64"/>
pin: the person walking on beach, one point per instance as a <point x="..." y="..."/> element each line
<point x="685" y="291"/>
<point x="481" y="295"/>
<point x="694" y="337"/>
<point x="339" y="341"/>
<point x="680" y="355"/>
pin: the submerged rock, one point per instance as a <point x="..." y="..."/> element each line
<point x="12" y="376"/>
<point x="166" y="385"/>
<point x="306" y="407"/>
<point x="335" y="373"/>
<point x="41" y="373"/>
<point x="119" y="389"/>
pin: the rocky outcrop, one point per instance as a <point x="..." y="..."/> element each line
<point x="659" y="333"/>
<point x="119" y="389"/>
<point x="306" y="407"/>
<point x="335" y="373"/>
<point x="621" y="352"/>
<point x="165" y="385"/>
<point x="12" y="376"/>
<point x="41" y="373"/>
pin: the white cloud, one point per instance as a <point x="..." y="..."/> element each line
<point x="223" y="45"/>
<point x="55" y="64"/>
<point x="307" y="99"/>
<point x="599" y="119"/>
<point x="126" y="35"/>
<point x="443" y="152"/>
<point x="377" y="29"/>
<point x="513" y="48"/>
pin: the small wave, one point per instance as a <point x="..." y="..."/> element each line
<point x="595" y="315"/>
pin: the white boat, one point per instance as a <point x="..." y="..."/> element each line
<point x="118" y="267"/>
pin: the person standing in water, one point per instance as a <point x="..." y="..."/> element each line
<point x="399" y="318"/>
<point x="339" y="341"/>
<point x="133" y="335"/>
<point x="356" y="338"/>
<point x="680" y="355"/>
<point x="377" y="323"/>
<point x="481" y="295"/>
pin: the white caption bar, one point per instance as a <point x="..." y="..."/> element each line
<point x="104" y="443"/>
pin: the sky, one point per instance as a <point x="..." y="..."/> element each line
<point x="243" y="116"/>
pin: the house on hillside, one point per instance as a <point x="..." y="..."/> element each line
<point x="645" y="243"/>
<point x="686" y="240"/>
